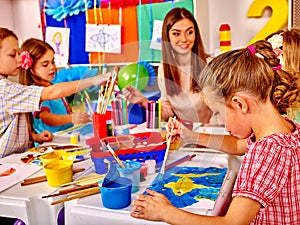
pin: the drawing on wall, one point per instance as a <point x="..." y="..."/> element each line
<point x="156" y="35"/>
<point x="103" y="38"/>
<point x="58" y="38"/>
<point x="185" y="186"/>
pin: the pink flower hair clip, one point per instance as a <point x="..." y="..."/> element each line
<point x="26" y="60"/>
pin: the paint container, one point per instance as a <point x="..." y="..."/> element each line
<point x="58" y="172"/>
<point x="99" y="124"/>
<point x="50" y="157"/>
<point x="143" y="171"/>
<point x="117" y="193"/>
<point x="151" y="164"/>
<point x="131" y="171"/>
<point x="74" y="138"/>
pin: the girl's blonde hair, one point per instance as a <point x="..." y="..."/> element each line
<point x="257" y="72"/>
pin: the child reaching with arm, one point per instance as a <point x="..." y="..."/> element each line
<point x="16" y="100"/>
<point x="54" y="115"/>
<point x="250" y="91"/>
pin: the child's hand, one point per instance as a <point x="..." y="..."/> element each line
<point x="44" y="136"/>
<point x="151" y="207"/>
<point x="180" y="132"/>
<point x="81" y="118"/>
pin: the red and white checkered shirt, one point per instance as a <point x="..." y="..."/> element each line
<point x="15" y="101"/>
<point x="270" y="174"/>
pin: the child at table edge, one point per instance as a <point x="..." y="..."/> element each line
<point x="256" y="92"/>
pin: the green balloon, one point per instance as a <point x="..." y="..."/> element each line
<point x="128" y="75"/>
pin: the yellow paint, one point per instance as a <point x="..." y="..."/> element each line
<point x="185" y="184"/>
<point x="277" y="21"/>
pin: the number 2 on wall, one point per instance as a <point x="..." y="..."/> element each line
<point x="277" y="21"/>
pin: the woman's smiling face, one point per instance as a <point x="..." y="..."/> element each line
<point x="182" y="36"/>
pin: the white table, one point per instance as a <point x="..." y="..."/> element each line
<point x="25" y="202"/>
<point x="90" y="211"/>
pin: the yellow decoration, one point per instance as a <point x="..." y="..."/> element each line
<point x="277" y="21"/>
<point x="225" y="36"/>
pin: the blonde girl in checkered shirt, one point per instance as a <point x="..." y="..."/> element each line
<point x="16" y="100"/>
<point x="251" y="92"/>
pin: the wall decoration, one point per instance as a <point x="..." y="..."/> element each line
<point x="277" y="21"/>
<point x="103" y="38"/>
<point x="58" y="38"/>
<point x="129" y="34"/>
<point x="76" y="14"/>
<point x="60" y="9"/>
<point x="156" y="35"/>
<point x="159" y="11"/>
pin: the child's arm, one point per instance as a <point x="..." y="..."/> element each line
<point x="64" y="89"/>
<point x="156" y="207"/>
<point x="225" y="143"/>
<point x="51" y="119"/>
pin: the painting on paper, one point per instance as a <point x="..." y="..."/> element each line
<point x="103" y="38"/>
<point x="156" y="35"/>
<point x="58" y="38"/>
<point x="185" y="186"/>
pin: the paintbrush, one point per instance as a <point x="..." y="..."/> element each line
<point x="179" y="161"/>
<point x="79" y="194"/>
<point x="69" y="190"/>
<point x="162" y="169"/>
<point x="115" y="155"/>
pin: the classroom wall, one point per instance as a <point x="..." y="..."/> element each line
<point x="23" y="17"/>
<point x="212" y="13"/>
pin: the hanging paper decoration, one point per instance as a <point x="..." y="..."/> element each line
<point x="58" y="38"/>
<point x="129" y="34"/>
<point x="59" y="9"/>
<point x="156" y="35"/>
<point x="103" y="38"/>
<point x="121" y="3"/>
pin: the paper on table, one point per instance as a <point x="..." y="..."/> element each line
<point x="22" y="171"/>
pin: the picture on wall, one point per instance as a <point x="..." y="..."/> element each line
<point x="103" y="38"/>
<point x="58" y="38"/>
<point x="156" y="35"/>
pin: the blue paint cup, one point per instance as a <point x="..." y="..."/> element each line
<point x="117" y="193"/>
<point x="131" y="171"/>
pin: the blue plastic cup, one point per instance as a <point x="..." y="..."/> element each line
<point x="116" y="194"/>
<point x="131" y="171"/>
